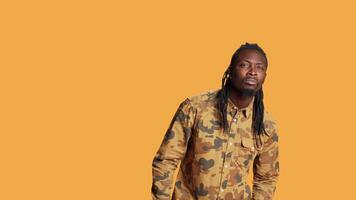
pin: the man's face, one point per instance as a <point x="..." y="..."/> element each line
<point x="249" y="73"/>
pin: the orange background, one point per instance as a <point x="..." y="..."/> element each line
<point x="88" y="89"/>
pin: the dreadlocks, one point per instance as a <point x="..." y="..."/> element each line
<point x="223" y="94"/>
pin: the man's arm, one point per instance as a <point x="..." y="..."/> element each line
<point x="266" y="168"/>
<point x="172" y="151"/>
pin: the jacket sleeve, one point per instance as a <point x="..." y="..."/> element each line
<point x="266" y="167"/>
<point x="172" y="151"/>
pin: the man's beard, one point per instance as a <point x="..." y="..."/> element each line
<point x="246" y="92"/>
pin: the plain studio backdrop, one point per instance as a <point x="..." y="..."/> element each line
<point x="88" y="89"/>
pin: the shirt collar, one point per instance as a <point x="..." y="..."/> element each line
<point x="247" y="111"/>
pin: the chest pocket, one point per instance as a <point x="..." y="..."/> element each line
<point x="245" y="153"/>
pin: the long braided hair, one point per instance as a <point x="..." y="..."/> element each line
<point x="223" y="93"/>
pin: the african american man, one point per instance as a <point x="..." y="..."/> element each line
<point x="217" y="135"/>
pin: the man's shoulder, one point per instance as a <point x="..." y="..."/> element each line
<point x="268" y="116"/>
<point x="205" y="97"/>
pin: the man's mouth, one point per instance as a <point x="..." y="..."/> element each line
<point x="251" y="81"/>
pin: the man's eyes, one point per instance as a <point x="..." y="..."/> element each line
<point x="260" y="67"/>
<point x="243" y="65"/>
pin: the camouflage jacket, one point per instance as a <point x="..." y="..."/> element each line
<point x="214" y="164"/>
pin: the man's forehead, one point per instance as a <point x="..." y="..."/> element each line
<point x="252" y="60"/>
<point x="252" y="56"/>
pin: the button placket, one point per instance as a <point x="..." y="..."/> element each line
<point x="229" y="147"/>
<point x="230" y="139"/>
<point x="232" y="146"/>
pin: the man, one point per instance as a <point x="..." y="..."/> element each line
<point x="217" y="135"/>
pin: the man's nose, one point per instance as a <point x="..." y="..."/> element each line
<point x="253" y="70"/>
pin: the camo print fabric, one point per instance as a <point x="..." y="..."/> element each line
<point x="215" y="164"/>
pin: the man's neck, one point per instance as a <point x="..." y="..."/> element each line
<point x="239" y="100"/>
